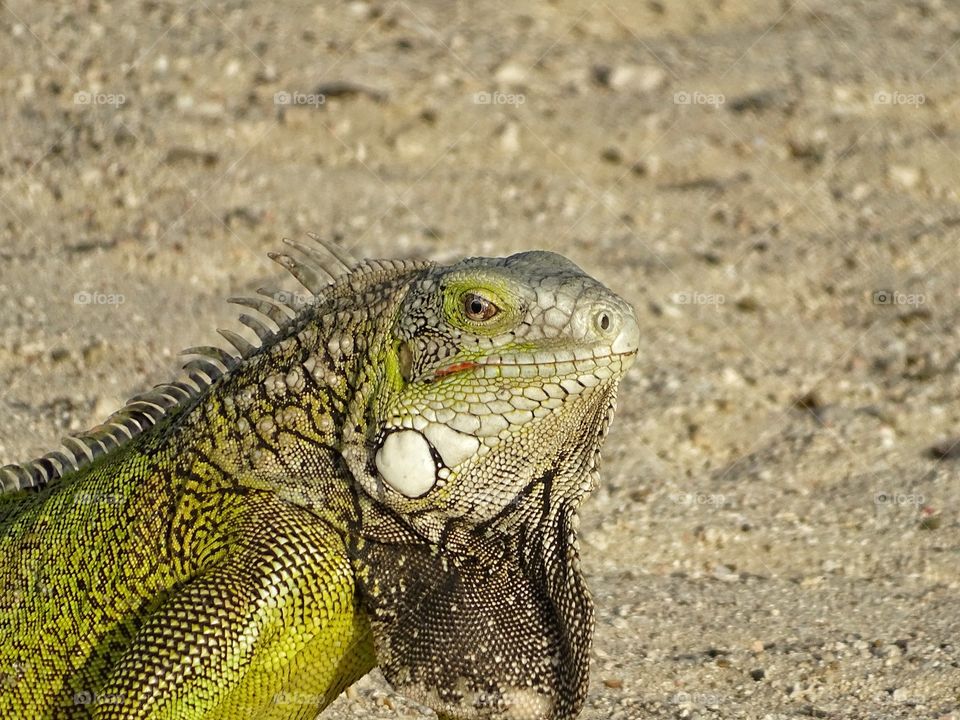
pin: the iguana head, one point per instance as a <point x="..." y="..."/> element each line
<point x="494" y="387"/>
<point x="496" y="372"/>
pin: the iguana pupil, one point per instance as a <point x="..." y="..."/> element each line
<point x="478" y="307"/>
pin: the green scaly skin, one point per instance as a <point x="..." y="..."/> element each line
<point x="390" y="479"/>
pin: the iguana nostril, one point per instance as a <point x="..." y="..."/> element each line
<point x="604" y="321"/>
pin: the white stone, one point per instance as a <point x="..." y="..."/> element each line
<point x="645" y="78"/>
<point x="510" y="139"/>
<point x="905" y="176"/>
<point x="511" y="74"/>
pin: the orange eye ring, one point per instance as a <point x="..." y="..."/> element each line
<point x="477" y="308"/>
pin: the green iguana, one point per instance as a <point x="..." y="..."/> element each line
<point x="389" y="477"/>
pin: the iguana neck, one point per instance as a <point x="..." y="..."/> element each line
<point x="276" y="422"/>
<point x="538" y="653"/>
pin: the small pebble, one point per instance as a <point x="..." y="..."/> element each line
<point x="904" y="176"/>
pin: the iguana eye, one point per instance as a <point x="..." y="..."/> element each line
<point x="478" y="308"/>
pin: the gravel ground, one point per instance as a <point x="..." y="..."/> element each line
<point x="774" y="185"/>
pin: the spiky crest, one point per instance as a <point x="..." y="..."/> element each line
<point x="326" y="272"/>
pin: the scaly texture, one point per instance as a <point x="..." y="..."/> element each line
<point x="391" y="476"/>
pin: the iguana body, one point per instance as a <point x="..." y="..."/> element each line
<point x="390" y="478"/>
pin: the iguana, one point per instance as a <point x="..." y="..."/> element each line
<point x="389" y="477"/>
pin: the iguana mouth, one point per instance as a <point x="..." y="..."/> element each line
<point x="455" y="368"/>
<point x="546" y="363"/>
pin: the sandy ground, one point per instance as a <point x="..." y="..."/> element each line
<point x="773" y="184"/>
